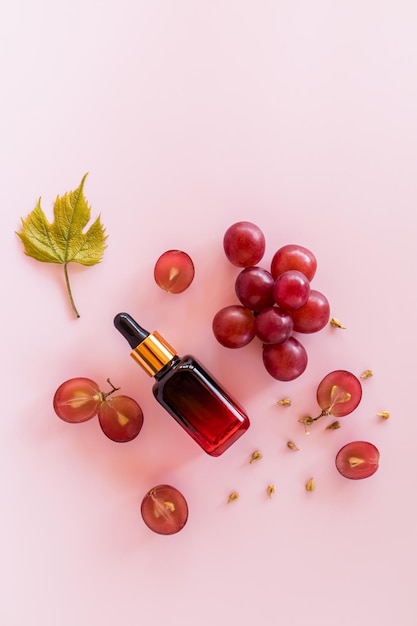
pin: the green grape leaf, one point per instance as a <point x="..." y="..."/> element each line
<point x="64" y="240"/>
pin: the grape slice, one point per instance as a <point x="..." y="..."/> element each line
<point x="120" y="418"/>
<point x="164" y="510"/>
<point x="339" y="393"/>
<point x="234" y="326"/>
<point x="358" y="459"/>
<point x="294" y="257"/>
<point x="273" y="325"/>
<point x="174" y="271"/>
<point x="244" y="244"/>
<point x="77" y="400"/>
<point x="285" y="361"/>
<point x="253" y="287"/>
<point x="291" y="290"/>
<point x="313" y="315"/>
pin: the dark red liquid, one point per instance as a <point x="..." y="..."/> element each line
<point x="202" y="407"/>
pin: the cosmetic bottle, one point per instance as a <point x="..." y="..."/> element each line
<point x="189" y="393"/>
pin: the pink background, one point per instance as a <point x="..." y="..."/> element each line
<point x="188" y="116"/>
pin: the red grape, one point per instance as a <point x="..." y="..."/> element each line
<point x="273" y="325"/>
<point x="77" y="400"/>
<point x="164" y="510"/>
<point x="358" y="459"/>
<point x="244" y="244"/>
<point x="339" y="393"/>
<point x="253" y="287"/>
<point x="234" y="326"/>
<point x="120" y="418"/>
<point x="291" y="290"/>
<point x="285" y="361"/>
<point x="174" y="271"/>
<point x="313" y="315"/>
<point x="293" y="257"/>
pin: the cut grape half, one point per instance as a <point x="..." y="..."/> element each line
<point x="164" y="510"/>
<point x="358" y="459"/>
<point x="339" y="393"/>
<point x="77" y="400"/>
<point x="120" y="418"/>
<point x="174" y="271"/>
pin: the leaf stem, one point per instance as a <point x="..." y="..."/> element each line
<point x="74" y="308"/>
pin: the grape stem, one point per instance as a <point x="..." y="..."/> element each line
<point x="113" y="389"/>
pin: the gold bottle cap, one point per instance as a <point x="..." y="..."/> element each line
<point x="153" y="353"/>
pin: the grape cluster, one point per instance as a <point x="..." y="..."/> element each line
<point x="80" y="399"/>
<point x="273" y="304"/>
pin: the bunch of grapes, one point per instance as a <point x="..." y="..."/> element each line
<point x="273" y="304"/>
<point x="80" y="399"/>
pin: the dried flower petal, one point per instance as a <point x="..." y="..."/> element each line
<point x="336" y="324"/>
<point x="284" y="402"/>
<point x="385" y="415"/>
<point x="233" y="496"/>
<point x="367" y="374"/>
<point x="310" y="486"/>
<point x="270" y="490"/>
<point x="334" y="425"/>
<point x="256" y="456"/>
<point x="291" y="445"/>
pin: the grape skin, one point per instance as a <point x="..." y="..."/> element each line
<point x="77" y="400"/>
<point x="164" y="510"/>
<point x="273" y="325"/>
<point x="294" y="257"/>
<point x="253" y="287"/>
<point x="244" y="244"/>
<point x="120" y="418"/>
<point x="285" y="361"/>
<point x="332" y="390"/>
<point x="174" y="271"/>
<point x="291" y="290"/>
<point x="358" y="459"/>
<point x="313" y="315"/>
<point x="234" y="326"/>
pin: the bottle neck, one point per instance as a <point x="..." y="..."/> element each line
<point x="167" y="367"/>
<point x="153" y="353"/>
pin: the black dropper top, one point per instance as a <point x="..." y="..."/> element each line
<point x="131" y="331"/>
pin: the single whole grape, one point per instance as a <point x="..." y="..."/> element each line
<point x="164" y="510"/>
<point x="120" y="418"/>
<point x="273" y="325"/>
<point x="77" y="400"/>
<point x="234" y="326"/>
<point x="339" y="393"/>
<point x="358" y="459"/>
<point x="294" y="257"/>
<point x="253" y="287"/>
<point x="291" y="290"/>
<point x="244" y="244"/>
<point x="285" y="361"/>
<point x="313" y="315"/>
<point x="174" y="271"/>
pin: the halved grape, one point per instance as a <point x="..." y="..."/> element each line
<point x="358" y="459"/>
<point x="77" y="400"/>
<point x="120" y="418"/>
<point x="273" y="325"/>
<point x="164" y="510"/>
<point x="244" y="244"/>
<point x="291" y="290"/>
<point x="253" y="287"/>
<point x="313" y="315"/>
<point x="174" y="271"/>
<point x="234" y="326"/>
<point x="293" y="257"/>
<point x="339" y="393"/>
<point x="285" y="361"/>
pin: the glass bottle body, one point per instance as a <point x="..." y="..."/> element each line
<point x="199" y="404"/>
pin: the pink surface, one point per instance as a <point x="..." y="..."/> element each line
<point x="188" y="116"/>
